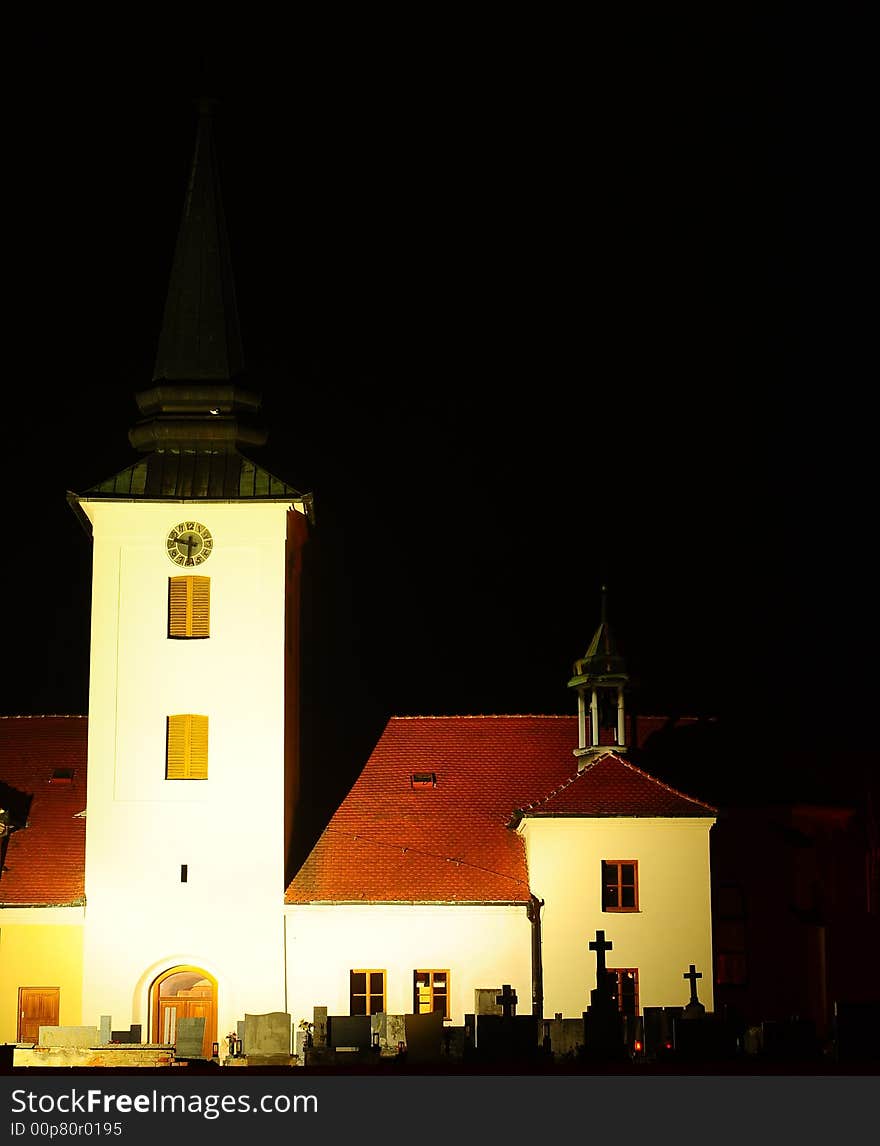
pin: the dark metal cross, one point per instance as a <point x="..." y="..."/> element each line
<point x="693" y="974"/>
<point x="507" y="1000"/>
<point x="600" y="946"/>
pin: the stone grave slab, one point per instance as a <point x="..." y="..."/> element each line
<point x="349" y="1031"/>
<point x="68" y="1037"/>
<point x="485" y="1001"/>
<point x="267" y="1038"/>
<point x="105" y="1029"/>
<point x="424" y="1037"/>
<point x="190" y="1037"/>
<point x="319" y="1027"/>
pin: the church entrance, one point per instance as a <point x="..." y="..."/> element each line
<point x="184" y="993"/>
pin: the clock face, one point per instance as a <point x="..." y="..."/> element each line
<point x="189" y="543"/>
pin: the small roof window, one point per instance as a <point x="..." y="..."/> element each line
<point x="62" y="776"/>
<point x="423" y="779"/>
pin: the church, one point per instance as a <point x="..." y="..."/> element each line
<point x="471" y="852"/>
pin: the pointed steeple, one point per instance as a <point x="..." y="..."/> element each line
<point x="197" y="392"/>
<point x="196" y="414"/>
<point x="600" y="678"/>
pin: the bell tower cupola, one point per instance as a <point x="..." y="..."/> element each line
<point x="600" y="680"/>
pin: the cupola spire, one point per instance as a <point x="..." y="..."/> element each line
<point x="600" y="678"/>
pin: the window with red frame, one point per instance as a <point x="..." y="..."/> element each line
<point x="624" y="985"/>
<point x="620" y="885"/>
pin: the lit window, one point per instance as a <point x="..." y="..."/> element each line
<point x="186" y="751"/>
<point x="367" y="992"/>
<point x="189" y="607"/>
<point x="624" y="985"/>
<point x="431" y="992"/>
<point x="620" y="885"/>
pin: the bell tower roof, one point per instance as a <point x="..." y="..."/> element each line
<point x="197" y="397"/>
<point x="197" y="413"/>
<point x="603" y="662"/>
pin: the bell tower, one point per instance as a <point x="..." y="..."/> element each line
<point x="600" y="680"/>
<point x="194" y="679"/>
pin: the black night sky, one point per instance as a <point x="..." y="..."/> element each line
<point x="532" y="308"/>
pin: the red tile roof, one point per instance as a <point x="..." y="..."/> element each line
<point x="391" y="842"/>
<point x="44" y="862"/>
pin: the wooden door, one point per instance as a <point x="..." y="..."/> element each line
<point x="187" y="1006"/>
<point x="37" y="1007"/>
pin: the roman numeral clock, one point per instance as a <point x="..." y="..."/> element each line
<point x="189" y="543"/>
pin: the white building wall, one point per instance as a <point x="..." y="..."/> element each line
<point x="480" y="946"/>
<point x="671" y="929"/>
<point x="141" y="828"/>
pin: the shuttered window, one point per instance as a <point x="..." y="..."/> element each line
<point x="186" y="754"/>
<point x="189" y="607"/>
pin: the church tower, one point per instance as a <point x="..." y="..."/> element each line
<point x="193" y="693"/>
<point x="600" y="679"/>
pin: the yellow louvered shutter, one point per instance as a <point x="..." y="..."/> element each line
<point x="189" y="606"/>
<point x="198" y="760"/>
<point x="200" y="609"/>
<point x="187" y="748"/>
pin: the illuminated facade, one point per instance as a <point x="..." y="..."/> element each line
<point x="471" y="851"/>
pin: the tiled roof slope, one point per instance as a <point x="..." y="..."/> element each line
<point x="391" y="842"/>
<point x="45" y="861"/>
<point x="612" y="786"/>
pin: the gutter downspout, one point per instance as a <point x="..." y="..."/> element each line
<point x="533" y="911"/>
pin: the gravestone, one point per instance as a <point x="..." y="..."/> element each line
<point x="267" y="1039"/>
<point x="566" y="1036"/>
<point x="319" y="1027"/>
<point x="603" y="1027"/>
<point x="424" y="1038"/>
<point x="454" y="1043"/>
<point x="659" y="1032"/>
<point x="470" y="1035"/>
<point x="132" y="1035"/>
<point x="485" y="1001"/>
<point x="507" y="999"/>
<point x="189" y="1038"/>
<point x="694" y="1009"/>
<point x="349" y="1033"/>
<point x="105" y="1029"/>
<point x="388" y="1032"/>
<point x="68" y="1037"/>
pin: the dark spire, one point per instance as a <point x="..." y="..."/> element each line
<point x="200" y="339"/>
<point x="197" y="389"/>
<point x="603" y="662"/>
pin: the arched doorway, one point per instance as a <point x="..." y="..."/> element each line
<point x="184" y="993"/>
